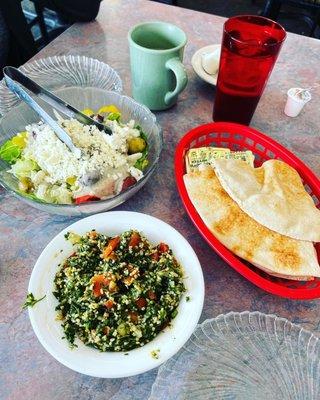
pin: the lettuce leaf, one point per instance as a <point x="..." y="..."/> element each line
<point x="24" y="167"/>
<point x="31" y="196"/>
<point x="143" y="162"/>
<point x="114" y="116"/>
<point x="10" y="152"/>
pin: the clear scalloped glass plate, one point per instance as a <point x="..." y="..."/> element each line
<point x="64" y="71"/>
<point x="16" y="120"/>
<point x="243" y="356"/>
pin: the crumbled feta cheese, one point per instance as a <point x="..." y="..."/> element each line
<point x="101" y="169"/>
<point x="136" y="173"/>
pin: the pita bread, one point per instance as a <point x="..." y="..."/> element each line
<point x="274" y="253"/>
<point x="273" y="195"/>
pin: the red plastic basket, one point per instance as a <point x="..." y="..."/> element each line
<point x="239" y="137"/>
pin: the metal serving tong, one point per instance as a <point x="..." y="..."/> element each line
<point x="14" y="78"/>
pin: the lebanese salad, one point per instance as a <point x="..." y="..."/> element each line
<point x="117" y="293"/>
<point x="48" y="171"/>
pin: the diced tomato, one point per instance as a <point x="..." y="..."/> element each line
<point x="99" y="281"/>
<point x="163" y="248"/>
<point x="84" y="199"/>
<point x="111" y="246"/>
<point x="106" y="330"/>
<point x="134" y="240"/>
<point x="141" y="302"/>
<point x="151" y="295"/>
<point x="97" y="289"/>
<point x="92" y="234"/>
<point x="111" y="256"/>
<point x="155" y="256"/>
<point x="133" y="317"/>
<point x="127" y="182"/>
<point x="109" y="304"/>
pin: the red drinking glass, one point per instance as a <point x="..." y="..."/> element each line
<point x="250" y="47"/>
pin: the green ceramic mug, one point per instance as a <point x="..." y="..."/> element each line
<point x="157" y="72"/>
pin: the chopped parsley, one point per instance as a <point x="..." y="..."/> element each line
<point x="31" y="301"/>
<point x="155" y="354"/>
<point x="117" y="293"/>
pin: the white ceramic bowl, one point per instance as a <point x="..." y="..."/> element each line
<point x="87" y="360"/>
<point x="20" y="116"/>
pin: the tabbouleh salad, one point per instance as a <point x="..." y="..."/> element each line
<point x="117" y="293"/>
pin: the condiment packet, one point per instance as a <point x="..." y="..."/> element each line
<point x="246" y="156"/>
<point x="204" y="155"/>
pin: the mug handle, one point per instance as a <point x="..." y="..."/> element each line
<point x="181" y="77"/>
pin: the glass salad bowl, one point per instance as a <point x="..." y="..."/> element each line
<point x="17" y="119"/>
<point x="61" y="72"/>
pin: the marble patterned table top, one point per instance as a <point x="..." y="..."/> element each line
<point x="27" y="371"/>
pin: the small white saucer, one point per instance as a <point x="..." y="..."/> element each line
<point x="197" y="64"/>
